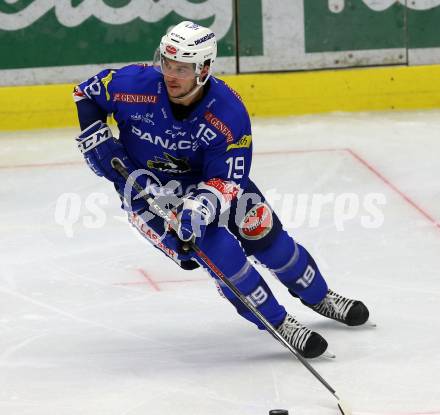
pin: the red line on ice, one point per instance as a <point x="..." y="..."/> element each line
<point x="179" y="281"/>
<point x="281" y="152"/>
<point x="131" y="283"/>
<point x="393" y="187"/>
<point x="41" y="165"/>
<point x="149" y="280"/>
<point x="78" y="163"/>
<point x="162" y="282"/>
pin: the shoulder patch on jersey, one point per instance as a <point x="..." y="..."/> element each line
<point x="244" y="142"/>
<point x="105" y="82"/>
<point x="219" y="125"/>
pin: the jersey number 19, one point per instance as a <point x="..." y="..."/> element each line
<point x="235" y="167"/>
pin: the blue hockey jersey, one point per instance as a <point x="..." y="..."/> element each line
<point x="213" y="144"/>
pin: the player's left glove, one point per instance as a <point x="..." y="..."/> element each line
<point x="204" y="206"/>
<point x="184" y="255"/>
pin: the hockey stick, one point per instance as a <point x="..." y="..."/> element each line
<point x="169" y="218"/>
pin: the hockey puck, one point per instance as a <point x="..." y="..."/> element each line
<point x="278" y="412"/>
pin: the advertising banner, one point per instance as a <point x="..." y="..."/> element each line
<point x="48" y="35"/>
<point x="54" y="41"/>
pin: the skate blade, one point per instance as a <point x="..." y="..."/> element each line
<point x="371" y="324"/>
<point x="328" y="355"/>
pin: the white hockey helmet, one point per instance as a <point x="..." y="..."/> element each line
<point x="189" y="43"/>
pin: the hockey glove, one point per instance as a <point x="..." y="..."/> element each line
<point x="98" y="147"/>
<point x="197" y="211"/>
<point x="184" y="256"/>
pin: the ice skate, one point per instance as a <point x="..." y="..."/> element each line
<point x="308" y="343"/>
<point x="342" y="309"/>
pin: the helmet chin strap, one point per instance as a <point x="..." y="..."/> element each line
<point x="197" y="87"/>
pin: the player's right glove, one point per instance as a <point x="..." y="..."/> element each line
<point x="98" y="147"/>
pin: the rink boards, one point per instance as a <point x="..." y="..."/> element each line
<point x="269" y="94"/>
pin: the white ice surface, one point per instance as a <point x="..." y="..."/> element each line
<point x="95" y="322"/>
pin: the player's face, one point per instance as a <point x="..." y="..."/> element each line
<point x="179" y="77"/>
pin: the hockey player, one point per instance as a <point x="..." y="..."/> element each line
<point x="183" y="132"/>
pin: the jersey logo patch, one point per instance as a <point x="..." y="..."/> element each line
<point x="169" y="164"/>
<point x="149" y="233"/>
<point x="135" y="98"/>
<point x="244" y="142"/>
<point x="166" y="143"/>
<point x="257" y="223"/>
<point x="220" y="125"/>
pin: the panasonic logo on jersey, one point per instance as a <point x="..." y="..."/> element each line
<point x="164" y="143"/>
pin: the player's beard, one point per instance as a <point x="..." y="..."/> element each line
<point x="185" y="93"/>
<point x="179" y="92"/>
